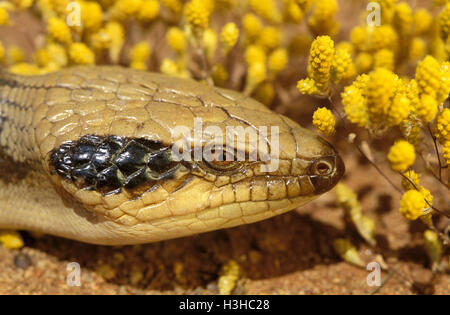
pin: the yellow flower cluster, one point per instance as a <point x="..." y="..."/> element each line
<point x="91" y="15"/>
<point x="265" y="93"/>
<point x="443" y="125"/>
<point x="2" y="53"/>
<point x="11" y="239"/>
<point x="4" y="16"/>
<point x="79" y="53"/>
<point x="269" y="38"/>
<point x="252" y="25"/>
<point x="58" y="29"/>
<point x="177" y="40"/>
<point x="229" y="36"/>
<point x="401" y="156"/>
<point x="324" y="121"/>
<point x="410" y="176"/>
<point x="278" y="60"/>
<point x="373" y="38"/>
<point x="197" y="14"/>
<point x="267" y="9"/>
<point x="139" y="55"/>
<point x="342" y="66"/>
<point x="403" y="18"/>
<point x="325" y="64"/>
<point x="446" y="152"/>
<point x="413" y="204"/>
<point x="444" y="21"/>
<point x="322" y="20"/>
<point x="379" y="99"/>
<point x="148" y="11"/>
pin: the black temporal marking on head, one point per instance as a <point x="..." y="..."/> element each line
<point x="111" y="163"/>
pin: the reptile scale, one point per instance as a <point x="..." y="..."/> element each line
<point x="86" y="153"/>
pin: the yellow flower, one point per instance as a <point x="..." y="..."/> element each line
<point x="384" y="58"/>
<point x="320" y="61"/>
<point x="79" y="53"/>
<point x="428" y="75"/>
<point x="355" y="106"/>
<point x="401" y="155"/>
<point x="220" y="75"/>
<point x="380" y="89"/>
<point x="91" y="15"/>
<point x="403" y="18"/>
<point x="23" y="4"/>
<point x="427" y="107"/>
<point x="278" y="60"/>
<point x="399" y="110"/>
<point x="422" y="21"/>
<point x="417" y="48"/>
<point x="24" y="68"/>
<point x="269" y="37"/>
<point x="443" y="125"/>
<point x="413" y="177"/>
<point x="140" y="52"/>
<point x="58" y="29"/>
<point x="293" y="12"/>
<point x="209" y="42"/>
<point x="444" y="88"/>
<point x="410" y="129"/>
<point x="307" y="86"/>
<point x="57" y="54"/>
<point x="341" y="64"/>
<point x="148" y="11"/>
<point x="123" y="9"/>
<point x="373" y="38"/>
<point x="173" y="5"/>
<point x="412" y="204"/>
<point x="265" y="93"/>
<point x="324" y="121"/>
<point x="169" y="67"/>
<point x="267" y="9"/>
<point x="11" y="239"/>
<point x="100" y="39"/>
<point x="2" y="53"/>
<point x="252" y="25"/>
<point x="197" y="14"/>
<point x="255" y="75"/>
<point x="229" y="36"/>
<point x="322" y="20"/>
<point x="117" y="34"/>
<point x="176" y="39"/>
<point x="255" y="54"/>
<point x="41" y="57"/>
<point x="15" y="54"/>
<point x="138" y="65"/>
<point x="446" y="152"/>
<point x="363" y="62"/>
<point x="426" y="195"/>
<point x="4" y="16"/>
<point x="444" y="21"/>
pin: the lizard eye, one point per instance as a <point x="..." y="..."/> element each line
<point x="322" y="167"/>
<point x="220" y="159"/>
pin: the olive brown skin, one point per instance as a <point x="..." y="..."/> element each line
<point x="85" y="153"/>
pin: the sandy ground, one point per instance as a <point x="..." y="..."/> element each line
<point x="288" y="254"/>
